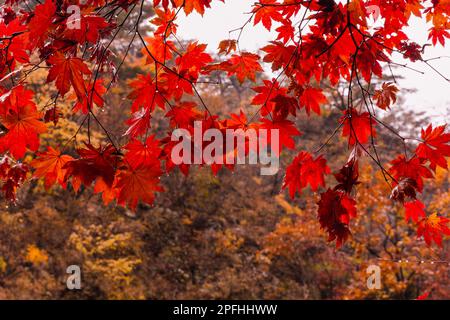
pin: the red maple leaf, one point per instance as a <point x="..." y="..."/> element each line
<point x="164" y="19"/>
<point x="49" y="165"/>
<point x="244" y="65"/>
<point x="94" y="96"/>
<point x="184" y="114"/>
<point x="140" y="183"/>
<point x="13" y="47"/>
<point x="432" y="228"/>
<point x="279" y="54"/>
<point x="285" y="32"/>
<point x="142" y="153"/>
<point x="20" y="117"/>
<point x="227" y="46"/>
<point x="405" y="188"/>
<point x="237" y="121"/>
<point x="193" y="60"/>
<point x="305" y="170"/>
<point x="157" y="49"/>
<point x="435" y="146"/>
<point x="15" y="99"/>
<point x="191" y="5"/>
<point x="94" y="164"/>
<point x="265" y="13"/>
<point x="90" y="29"/>
<point x="145" y="94"/>
<point x="347" y="176"/>
<point x="164" y="3"/>
<point x="411" y="51"/>
<point x="139" y="123"/>
<point x="311" y="99"/>
<point x="267" y="95"/>
<point x="68" y="72"/>
<point x="286" y="130"/>
<point x="438" y="34"/>
<point x="52" y="115"/>
<point x="41" y="22"/>
<point x="368" y="60"/>
<point x="414" y="209"/>
<point x="359" y="127"/>
<point x="413" y="168"/>
<point x="174" y="85"/>
<point x="335" y="210"/>
<point x="285" y="105"/>
<point x="13" y="175"/>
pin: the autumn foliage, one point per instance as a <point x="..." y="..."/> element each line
<point x="316" y="42"/>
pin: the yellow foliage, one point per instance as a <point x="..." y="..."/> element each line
<point x="36" y="256"/>
<point x="3" y="265"/>
<point x="228" y="241"/>
<point x="109" y="255"/>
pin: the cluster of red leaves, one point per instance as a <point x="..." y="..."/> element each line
<point x="130" y="178"/>
<point x="336" y="206"/>
<point x="305" y="170"/>
<point x="332" y="51"/>
<point x="338" y="46"/>
<point x="409" y="175"/>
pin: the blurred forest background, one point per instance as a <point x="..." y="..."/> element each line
<point x="230" y="236"/>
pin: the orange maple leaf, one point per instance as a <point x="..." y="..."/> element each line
<point x="359" y="127"/>
<point x="68" y="72"/>
<point x="311" y="99"/>
<point x="386" y="96"/>
<point x="49" y="165"/>
<point x="141" y="183"/>
<point x="23" y="124"/>
<point x="191" y="5"/>
<point x="265" y="11"/>
<point x="305" y="170"/>
<point x="435" y="146"/>
<point x="244" y="65"/>
<point x="226" y="46"/>
<point x="414" y="209"/>
<point x="432" y="228"/>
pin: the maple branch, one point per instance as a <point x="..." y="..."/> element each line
<point x="426" y="61"/>
<point x="376" y="159"/>
<point x="167" y="27"/>
<point x="336" y="130"/>
<point x="90" y="96"/>
<point x="241" y="29"/>
<point x="174" y="72"/>
<point x="437" y="71"/>
<point x="294" y="54"/>
<point x="76" y="132"/>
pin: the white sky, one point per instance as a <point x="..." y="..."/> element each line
<point x="432" y="90"/>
